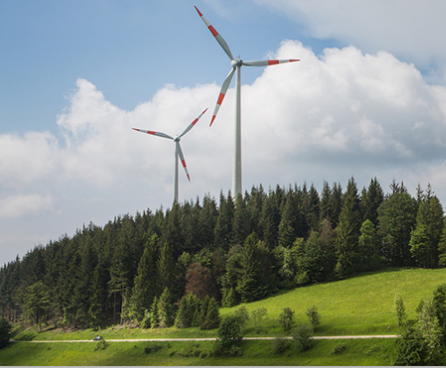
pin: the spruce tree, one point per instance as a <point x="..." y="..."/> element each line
<point x="223" y="233"/>
<point x="212" y="316"/>
<point x="146" y="280"/>
<point x="165" y="309"/>
<point x="348" y="232"/>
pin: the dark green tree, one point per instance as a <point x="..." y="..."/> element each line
<point x="223" y="233"/>
<point x="368" y="250"/>
<point x="396" y="220"/>
<point x="371" y="200"/>
<point x="5" y="332"/>
<point x="165" y="309"/>
<point x="211" y="317"/>
<point x="348" y="232"/>
<point x="146" y="280"/>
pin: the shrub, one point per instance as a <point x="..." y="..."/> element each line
<point x="192" y="350"/>
<point x="286" y="318"/>
<point x="230" y="337"/>
<point x="339" y="349"/>
<point x="101" y="345"/>
<point x="257" y="316"/>
<point x="152" y="348"/>
<point x="280" y="344"/>
<point x="303" y="336"/>
<point x="314" y="316"/>
<point x="400" y="311"/>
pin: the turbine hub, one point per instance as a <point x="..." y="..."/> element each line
<point x="236" y="62"/>
<point x="177" y="139"/>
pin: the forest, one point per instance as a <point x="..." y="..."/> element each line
<point x="150" y="268"/>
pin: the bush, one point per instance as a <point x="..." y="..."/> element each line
<point x="192" y="350"/>
<point x="280" y="344"/>
<point x="152" y="348"/>
<point x="303" y="336"/>
<point x="314" y="316"/>
<point x="101" y="345"/>
<point x="5" y="332"/>
<point x="230" y="337"/>
<point x="230" y="332"/>
<point x="339" y="349"/>
<point x="286" y="318"/>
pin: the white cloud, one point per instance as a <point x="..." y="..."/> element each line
<point x="25" y="160"/>
<point x="411" y="29"/>
<point x="25" y="205"/>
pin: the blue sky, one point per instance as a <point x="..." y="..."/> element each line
<point x="366" y="100"/>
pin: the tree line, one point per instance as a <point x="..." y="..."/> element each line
<point x="150" y="268"/>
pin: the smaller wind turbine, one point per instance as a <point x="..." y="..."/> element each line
<point x="178" y="151"/>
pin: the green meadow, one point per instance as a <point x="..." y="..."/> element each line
<point x="354" y="352"/>
<point x="362" y="305"/>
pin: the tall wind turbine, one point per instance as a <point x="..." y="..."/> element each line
<point x="236" y="64"/>
<point x="178" y="151"/>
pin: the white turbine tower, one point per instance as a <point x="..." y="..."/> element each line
<point x="236" y="64"/>
<point x="178" y="151"/>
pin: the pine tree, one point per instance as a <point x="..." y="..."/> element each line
<point x="212" y="316"/>
<point x="154" y="314"/>
<point x="396" y="220"/>
<point x="348" y="232"/>
<point x="241" y="225"/>
<point x="146" y="280"/>
<point x="372" y="199"/>
<point x="165" y="309"/>
<point x="369" y="255"/>
<point x="223" y="233"/>
<point x="289" y="221"/>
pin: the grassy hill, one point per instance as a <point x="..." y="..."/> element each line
<point x="360" y="305"/>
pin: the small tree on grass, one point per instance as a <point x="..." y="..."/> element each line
<point x="400" y="310"/>
<point x="286" y="318"/>
<point x="230" y="337"/>
<point x="303" y="335"/>
<point x="314" y="316"/>
<point x="257" y="316"/>
<point x="5" y="332"/>
<point x="242" y="314"/>
<point x="212" y="316"/>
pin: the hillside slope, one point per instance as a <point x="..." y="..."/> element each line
<point x="360" y="305"/>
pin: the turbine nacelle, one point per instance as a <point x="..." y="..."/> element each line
<point x="236" y="62"/>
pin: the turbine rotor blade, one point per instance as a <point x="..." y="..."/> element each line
<point x="191" y="125"/>
<point x="183" y="161"/>
<point x="268" y="62"/>
<point x="217" y="36"/>
<point x="159" y="134"/>
<point x="222" y="94"/>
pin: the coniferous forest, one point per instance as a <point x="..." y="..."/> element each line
<point x="155" y="268"/>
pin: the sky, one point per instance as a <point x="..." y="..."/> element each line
<point x="367" y="99"/>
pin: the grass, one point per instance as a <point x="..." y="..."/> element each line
<point x="353" y="352"/>
<point x="361" y="305"/>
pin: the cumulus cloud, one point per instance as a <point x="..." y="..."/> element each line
<point x="24" y="205"/>
<point x="410" y="29"/>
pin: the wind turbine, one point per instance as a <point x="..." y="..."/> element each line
<point x="236" y="64"/>
<point x="178" y="151"/>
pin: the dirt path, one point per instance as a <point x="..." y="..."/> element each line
<point x="214" y="338"/>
